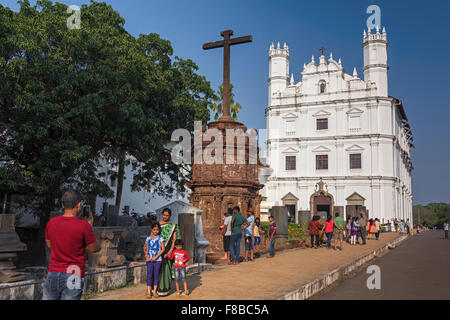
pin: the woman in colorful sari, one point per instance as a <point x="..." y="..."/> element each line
<point x="170" y="232"/>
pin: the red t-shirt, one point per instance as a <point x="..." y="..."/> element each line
<point x="181" y="257"/>
<point x="69" y="237"/>
<point x="329" y="226"/>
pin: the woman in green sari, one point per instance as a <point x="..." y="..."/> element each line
<point x="170" y="232"/>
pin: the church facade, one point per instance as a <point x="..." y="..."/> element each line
<point x="337" y="142"/>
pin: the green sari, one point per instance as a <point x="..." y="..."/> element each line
<point x="167" y="271"/>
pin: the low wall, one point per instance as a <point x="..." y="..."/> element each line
<point x="96" y="280"/>
<point x="318" y="285"/>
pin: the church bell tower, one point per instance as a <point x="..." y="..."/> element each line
<point x="375" y="60"/>
<point x="278" y="69"/>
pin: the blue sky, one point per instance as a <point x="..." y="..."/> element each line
<point x="418" y="55"/>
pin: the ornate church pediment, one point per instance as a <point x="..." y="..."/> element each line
<point x="321" y="149"/>
<point x="354" y="111"/>
<point x="322" y="113"/>
<point x="355" y="147"/>
<point x="290" y="116"/>
<point x="289" y="197"/>
<point x="290" y="150"/>
<point x="355" y="199"/>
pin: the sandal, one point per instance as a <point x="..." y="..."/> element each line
<point x="155" y="295"/>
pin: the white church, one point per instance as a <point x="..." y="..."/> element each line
<point x="347" y="131"/>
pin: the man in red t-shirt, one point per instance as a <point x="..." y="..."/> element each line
<point x="68" y="236"/>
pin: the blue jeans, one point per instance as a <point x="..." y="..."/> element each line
<point x="180" y="274"/>
<point x="235" y="247"/>
<point x="363" y="234"/>
<point x="272" y="247"/>
<point x="58" y="286"/>
<point x="329" y="236"/>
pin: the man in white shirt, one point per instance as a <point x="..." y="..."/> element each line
<point x="226" y="231"/>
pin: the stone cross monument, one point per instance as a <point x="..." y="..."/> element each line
<point x="219" y="186"/>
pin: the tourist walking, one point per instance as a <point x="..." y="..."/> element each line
<point x="377" y="228"/>
<point x="272" y="234"/>
<point x="313" y="230"/>
<point x="407" y="227"/>
<point x="348" y="226"/>
<point x="226" y="231"/>
<point x="248" y="234"/>
<point x="446" y="227"/>
<point x="402" y="227"/>
<point x="181" y="258"/>
<point x="339" y="223"/>
<point x="354" y="230"/>
<point x="362" y="221"/>
<point x="222" y="232"/>
<point x="257" y="231"/>
<point x="170" y="232"/>
<point x="153" y="249"/>
<point x="371" y="229"/>
<point x="238" y="223"/>
<point x="68" y="237"/>
<point x="329" y="228"/>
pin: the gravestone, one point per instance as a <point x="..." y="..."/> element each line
<point x="201" y="243"/>
<point x="10" y="244"/>
<point x="304" y="216"/>
<point x="340" y="210"/>
<point x="107" y="257"/>
<point x="187" y="230"/>
<point x="280" y="215"/>
<point x="112" y="216"/>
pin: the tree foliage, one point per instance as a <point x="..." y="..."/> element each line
<point x="235" y="107"/>
<point x="433" y="214"/>
<point x="71" y="97"/>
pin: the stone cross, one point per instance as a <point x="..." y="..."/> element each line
<point x="226" y="43"/>
<point x="322" y="49"/>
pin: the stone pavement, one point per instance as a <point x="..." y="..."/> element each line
<point x="417" y="269"/>
<point x="263" y="279"/>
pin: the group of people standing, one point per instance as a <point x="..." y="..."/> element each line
<point x="351" y="230"/>
<point x="165" y="258"/>
<point x="234" y="225"/>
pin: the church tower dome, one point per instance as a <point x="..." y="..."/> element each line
<point x="278" y="69"/>
<point x="375" y="59"/>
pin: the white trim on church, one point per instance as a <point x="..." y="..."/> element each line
<point x="341" y="128"/>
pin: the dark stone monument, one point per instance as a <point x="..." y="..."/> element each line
<point x="280" y="215"/>
<point x="304" y="216"/>
<point x="219" y="186"/>
<point x="112" y="216"/>
<point x="187" y="231"/>
<point x="107" y="257"/>
<point x="340" y="210"/>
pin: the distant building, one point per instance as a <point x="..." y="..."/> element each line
<point x="338" y="127"/>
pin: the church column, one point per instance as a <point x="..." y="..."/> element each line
<point x="340" y="120"/>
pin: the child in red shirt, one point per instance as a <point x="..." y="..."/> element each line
<point x="181" y="257"/>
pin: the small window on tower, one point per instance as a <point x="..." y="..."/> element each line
<point x="322" y="86"/>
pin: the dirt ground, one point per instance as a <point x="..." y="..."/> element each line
<point x="262" y="279"/>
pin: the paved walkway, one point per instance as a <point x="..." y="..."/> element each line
<point x="418" y="268"/>
<point x="263" y="278"/>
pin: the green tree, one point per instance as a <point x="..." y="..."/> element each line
<point x="69" y="98"/>
<point x="235" y="107"/>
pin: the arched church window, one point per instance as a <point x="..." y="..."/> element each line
<point x="322" y="86"/>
